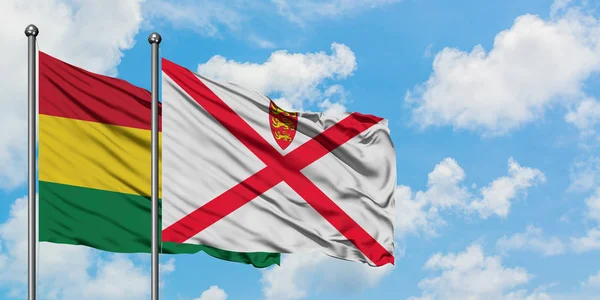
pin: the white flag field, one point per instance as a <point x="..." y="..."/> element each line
<point x="241" y="174"/>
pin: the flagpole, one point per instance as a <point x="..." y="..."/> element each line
<point x="154" y="39"/>
<point x="31" y="32"/>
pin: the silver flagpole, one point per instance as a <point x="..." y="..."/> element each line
<point x="31" y="32"/>
<point x="154" y="40"/>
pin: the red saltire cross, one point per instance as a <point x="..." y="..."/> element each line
<point x="278" y="168"/>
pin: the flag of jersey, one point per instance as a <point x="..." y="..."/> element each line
<point x="241" y="174"/>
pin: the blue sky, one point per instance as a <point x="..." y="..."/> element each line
<point x="492" y="107"/>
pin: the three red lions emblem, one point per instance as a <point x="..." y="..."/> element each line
<point x="283" y="125"/>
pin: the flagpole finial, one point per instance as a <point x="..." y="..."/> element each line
<point x="31" y="30"/>
<point x="154" y="38"/>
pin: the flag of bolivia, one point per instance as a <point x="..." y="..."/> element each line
<point x="94" y="165"/>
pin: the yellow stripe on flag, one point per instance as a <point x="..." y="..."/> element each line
<point x="95" y="155"/>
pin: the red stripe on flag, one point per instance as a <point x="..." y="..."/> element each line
<point x="279" y="168"/>
<point x="330" y="139"/>
<point x="68" y="91"/>
<point x="221" y="112"/>
<point x="221" y="206"/>
<point x="338" y="218"/>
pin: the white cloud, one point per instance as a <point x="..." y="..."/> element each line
<point x="525" y="295"/>
<point x="167" y="267"/>
<point x="415" y="214"/>
<point x="65" y="271"/>
<point x="428" y="50"/>
<point x="302" y="11"/>
<point x="472" y="275"/>
<point x="213" y="293"/>
<point x="566" y="217"/>
<point x="210" y="17"/>
<point x="443" y="185"/>
<point x="497" y="195"/>
<point x="214" y="18"/>
<point x="117" y="278"/>
<point x="74" y="31"/>
<point x="532" y="239"/>
<point x="585" y="116"/>
<point x="591" y="241"/>
<point x="334" y="101"/>
<point x="261" y="42"/>
<point x="559" y="6"/>
<point x="533" y="65"/>
<point x="585" y="174"/>
<point x="420" y="211"/>
<point x="587" y="243"/>
<point x="332" y="108"/>
<point x="295" y="77"/>
<point x="203" y="17"/>
<point x="593" y="206"/>
<point x="302" y="273"/>
<point x="593" y="282"/>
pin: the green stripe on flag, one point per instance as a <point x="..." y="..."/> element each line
<point x="115" y="222"/>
